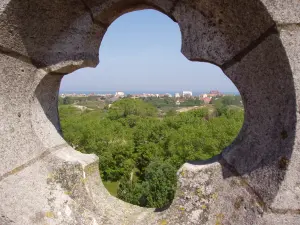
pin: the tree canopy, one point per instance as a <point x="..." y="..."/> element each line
<point x="142" y="151"/>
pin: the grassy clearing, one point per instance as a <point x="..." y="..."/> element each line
<point x="112" y="187"/>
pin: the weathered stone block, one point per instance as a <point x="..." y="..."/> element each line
<point x="40" y="192"/>
<point x="18" y="142"/>
<point x="216" y="31"/>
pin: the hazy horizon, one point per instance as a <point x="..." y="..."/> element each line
<point x="141" y="52"/>
<point x="172" y="92"/>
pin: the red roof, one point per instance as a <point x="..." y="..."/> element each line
<point x="206" y="100"/>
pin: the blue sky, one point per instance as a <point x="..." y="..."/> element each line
<point x="141" y="52"/>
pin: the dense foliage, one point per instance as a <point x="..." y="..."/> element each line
<point x="142" y="151"/>
<point x="171" y="102"/>
<point x="161" y="102"/>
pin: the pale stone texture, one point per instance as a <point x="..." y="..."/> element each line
<point x="44" y="201"/>
<point x="18" y="143"/>
<point x="256" y="179"/>
<point x="63" y="187"/>
<point x="285" y="219"/>
<point x="284" y="12"/>
<point x="44" y="108"/>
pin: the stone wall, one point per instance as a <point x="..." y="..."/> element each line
<point x="256" y="180"/>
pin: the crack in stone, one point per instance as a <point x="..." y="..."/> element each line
<point x="19" y="56"/>
<point x="237" y="58"/>
<point x="57" y="74"/>
<point x="32" y="161"/>
<point x="16" y="55"/>
<point x="285" y="211"/>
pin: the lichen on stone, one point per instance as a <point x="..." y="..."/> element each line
<point x="49" y="214"/>
<point x="238" y="202"/>
<point x="219" y="218"/>
<point x="163" y="222"/>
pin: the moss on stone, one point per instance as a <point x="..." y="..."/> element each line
<point x="181" y="208"/>
<point x="180" y="194"/>
<point x="163" y="222"/>
<point x="261" y="203"/>
<point x="68" y="192"/>
<point x="199" y="192"/>
<point x="49" y="214"/>
<point x="16" y="170"/>
<point x="233" y="183"/>
<point x="219" y="218"/>
<point x="283" y="163"/>
<point x="89" y="170"/>
<point x="214" y="196"/>
<point x="284" y="134"/>
<point x="83" y="180"/>
<point x="182" y="173"/>
<point x="238" y="202"/>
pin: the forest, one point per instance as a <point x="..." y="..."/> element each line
<point x="140" y="150"/>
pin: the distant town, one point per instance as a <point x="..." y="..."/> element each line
<point x="180" y="97"/>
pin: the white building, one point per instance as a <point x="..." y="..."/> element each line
<point x="120" y="94"/>
<point x="187" y="94"/>
<point x="177" y="95"/>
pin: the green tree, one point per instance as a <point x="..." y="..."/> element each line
<point x="128" y="106"/>
<point x="68" y="101"/>
<point x="156" y="190"/>
<point x="141" y="151"/>
<point x="160" y="184"/>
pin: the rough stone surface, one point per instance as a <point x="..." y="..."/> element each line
<point x="18" y="142"/>
<point x="44" y="108"/>
<point x="255" y="180"/>
<point x="207" y="25"/>
<point x="106" y="12"/>
<point x="284" y="12"/>
<point x="288" y="195"/>
<point x="286" y="219"/>
<point x="50" y="32"/>
<point x="268" y="92"/>
<point x="205" y="197"/>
